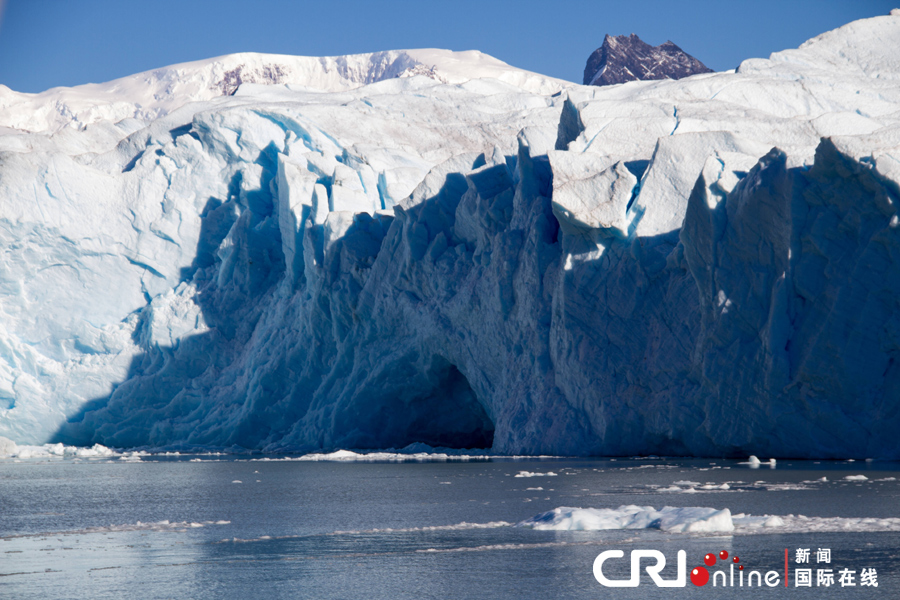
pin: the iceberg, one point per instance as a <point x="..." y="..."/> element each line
<point x="430" y="247"/>
<point x="698" y="520"/>
<point x="668" y="519"/>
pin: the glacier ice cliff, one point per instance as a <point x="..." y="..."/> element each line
<point x="706" y="266"/>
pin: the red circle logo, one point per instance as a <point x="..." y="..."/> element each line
<point x="699" y="575"/>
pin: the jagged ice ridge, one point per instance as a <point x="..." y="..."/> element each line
<point x="705" y="266"/>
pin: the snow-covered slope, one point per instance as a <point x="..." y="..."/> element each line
<point x="152" y="94"/>
<point x="464" y="261"/>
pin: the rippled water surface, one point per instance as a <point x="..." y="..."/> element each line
<point x="227" y="527"/>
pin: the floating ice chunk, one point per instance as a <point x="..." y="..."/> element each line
<point x="785" y="487"/>
<point x="670" y="519"/>
<point x="350" y="456"/>
<point x="341" y="455"/>
<point x="692" y="487"/>
<point x="712" y="486"/>
<point x="755" y="463"/>
<point x="464" y="526"/>
<point x="856" y="478"/>
<point x="698" y="520"/>
<point x="802" y="524"/>
<point x="160" y="526"/>
<point x="95" y="451"/>
<point x="530" y="474"/>
<point x="29" y="452"/>
<point x="7" y="447"/>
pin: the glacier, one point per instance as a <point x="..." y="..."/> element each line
<point x="299" y="254"/>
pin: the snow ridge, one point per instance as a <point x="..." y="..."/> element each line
<point x="153" y="94"/>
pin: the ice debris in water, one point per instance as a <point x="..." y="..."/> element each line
<point x="670" y="519"/>
<point x="418" y="453"/>
<point x="698" y="520"/>
<point x="755" y="463"/>
<point x="160" y="526"/>
<point x="9" y="449"/>
<point x="535" y="474"/>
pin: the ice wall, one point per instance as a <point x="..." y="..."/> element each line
<point x="700" y="267"/>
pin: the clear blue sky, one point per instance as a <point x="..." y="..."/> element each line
<point x="46" y="43"/>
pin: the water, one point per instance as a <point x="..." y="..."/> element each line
<point x="90" y="528"/>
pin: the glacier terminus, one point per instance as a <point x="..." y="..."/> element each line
<point x="424" y="246"/>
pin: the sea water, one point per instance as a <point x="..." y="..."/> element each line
<point x="273" y="527"/>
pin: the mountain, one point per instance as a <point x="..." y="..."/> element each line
<point x="708" y="266"/>
<point x="624" y="58"/>
<point x="153" y="94"/>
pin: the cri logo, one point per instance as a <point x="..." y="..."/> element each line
<point x="652" y="570"/>
<point x="699" y="575"/>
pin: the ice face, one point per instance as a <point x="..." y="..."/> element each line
<point x="472" y="262"/>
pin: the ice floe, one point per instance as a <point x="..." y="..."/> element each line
<point x="164" y="525"/>
<point x="699" y="520"/>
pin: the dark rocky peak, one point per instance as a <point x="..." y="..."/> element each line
<point x="624" y="58"/>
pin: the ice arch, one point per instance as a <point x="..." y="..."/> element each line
<point x="435" y="406"/>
